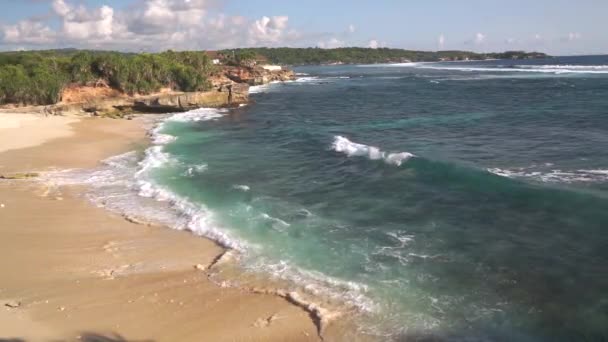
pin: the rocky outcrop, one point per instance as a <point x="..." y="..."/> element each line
<point x="258" y="75"/>
<point x="225" y="96"/>
<point x="230" y="88"/>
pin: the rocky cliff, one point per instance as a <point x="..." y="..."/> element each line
<point x="225" y="95"/>
<point x="257" y="75"/>
<point x="230" y="88"/>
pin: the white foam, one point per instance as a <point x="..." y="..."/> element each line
<point x="199" y="219"/>
<point x="200" y="114"/>
<point x="163" y="139"/>
<point x="155" y="158"/>
<point x="259" y="89"/>
<point x="307" y="79"/>
<point x="530" y="69"/>
<point x="408" y="64"/>
<point x="554" y="176"/>
<point x="277" y="223"/>
<point x="317" y="283"/>
<point x="404" y="239"/>
<point x="241" y="187"/>
<point x="192" y="170"/>
<point x="352" y="149"/>
<point x="564" y="66"/>
<point x="596" y="172"/>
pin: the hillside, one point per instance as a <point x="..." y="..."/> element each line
<point x="356" y="55"/>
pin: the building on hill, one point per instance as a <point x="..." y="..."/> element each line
<point x="216" y="57"/>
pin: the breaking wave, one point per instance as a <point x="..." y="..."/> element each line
<point x="550" y="69"/>
<point x="554" y="176"/>
<point x="352" y="149"/>
<point x="565" y="66"/>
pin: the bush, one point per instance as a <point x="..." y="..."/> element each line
<point x="39" y="77"/>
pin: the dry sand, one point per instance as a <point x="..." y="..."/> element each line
<point x="25" y="130"/>
<point x="70" y="271"/>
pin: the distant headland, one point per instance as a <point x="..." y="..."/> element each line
<point x="357" y="55"/>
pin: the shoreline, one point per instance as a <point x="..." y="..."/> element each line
<point x="117" y="259"/>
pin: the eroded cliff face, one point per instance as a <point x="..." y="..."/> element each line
<point x="230" y="88"/>
<point x="257" y="75"/>
<point x="226" y="95"/>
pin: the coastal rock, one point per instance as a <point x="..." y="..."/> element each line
<point x="258" y="75"/>
<point x="13" y="304"/>
<point x="226" y="95"/>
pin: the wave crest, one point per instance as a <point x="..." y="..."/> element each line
<point x="548" y="69"/>
<point x="554" y="176"/>
<point x="352" y="149"/>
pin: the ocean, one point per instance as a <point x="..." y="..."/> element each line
<point x="453" y="201"/>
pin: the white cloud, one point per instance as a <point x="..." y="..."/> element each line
<point x="373" y="44"/>
<point x="61" y="8"/>
<point x="574" y="36"/>
<point x="479" y="38"/>
<point x="267" y="30"/>
<point x="510" y="40"/>
<point x="28" y="32"/>
<point x="441" y="41"/>
<point x="351" y="28"/>
<point x="81" y="24"/>
<point x="331" y="43"/>
<point x="152" y="25"/>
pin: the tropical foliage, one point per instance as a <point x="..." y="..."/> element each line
<point x="39" y="77"/>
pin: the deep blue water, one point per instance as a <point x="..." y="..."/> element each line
<point x="495" y="229"/>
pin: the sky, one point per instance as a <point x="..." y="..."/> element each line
<point x="557" y="27"/>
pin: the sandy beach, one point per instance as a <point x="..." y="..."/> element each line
<point x="75" y="272"/>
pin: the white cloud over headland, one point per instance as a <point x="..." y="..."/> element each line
<point x="441" y="41"/>
<point x="331" y="43"/>
<point x="151" y="25"/>
<point x="574" y="36"/>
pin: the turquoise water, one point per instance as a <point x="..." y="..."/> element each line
<point x="452" y="200"/>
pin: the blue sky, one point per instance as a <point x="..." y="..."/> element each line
<point x="558" y="27"/>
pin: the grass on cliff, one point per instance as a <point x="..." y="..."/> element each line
<point x="37" y="78"/>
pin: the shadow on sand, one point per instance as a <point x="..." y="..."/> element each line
<point x="87" y="337"/>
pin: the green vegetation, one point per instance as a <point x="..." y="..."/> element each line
<point x="355" y="55"/>
<point x="38" y="77"/>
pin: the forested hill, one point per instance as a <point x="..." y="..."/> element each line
<point x="356" y="55"/>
